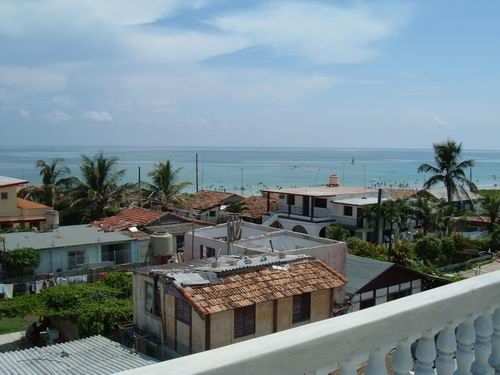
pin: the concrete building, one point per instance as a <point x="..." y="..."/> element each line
<point x="17" y="212"/>
<point x="80" y="247"/>
<point x="312" y="210"/>
<point x="205" y="304"/>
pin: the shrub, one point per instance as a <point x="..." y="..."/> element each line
<point x="21" y="261"/>
<point x="403" y="251"/>
<point x="335" y="232"/>
<point x="120" y="281"/>
<point x="428" y="248"/>
<point x="366" y="249"/>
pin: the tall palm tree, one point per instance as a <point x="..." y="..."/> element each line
<point x="53" y="176"/>
<point x="165" y="187"/>
<point x="491" y="208"/>
<point x="424" y="210"/>
<point x="449" y="170"/>
<point x="100" y="187"/>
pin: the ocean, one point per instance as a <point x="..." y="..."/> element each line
<point x="255" y="168"/>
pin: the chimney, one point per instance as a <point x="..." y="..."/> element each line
<point x="334" y="181"/>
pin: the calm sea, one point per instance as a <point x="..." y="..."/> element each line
<point x="255" y="168"/>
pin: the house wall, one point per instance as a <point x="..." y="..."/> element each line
<point x="144" y="320"/>
<point x="139" y="250"/>
<point x="198" y="332"/>
<point x="8" y="207"/>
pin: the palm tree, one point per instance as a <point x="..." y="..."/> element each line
<point x="100" y="187"/>
<point x="165" y="188"/>
<point x="449" y="170"/>
<point x="237" y="207"/>
<point x="491" y="208"/>
<point x="424" y="210"/>
<point x="53" y="176"/>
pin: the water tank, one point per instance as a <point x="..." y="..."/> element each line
<point x="52" y="219"/>
<point x="334" y="180"/>
<point x="161" y="244"/>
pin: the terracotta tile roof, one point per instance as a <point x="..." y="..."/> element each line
<point x="267" y="283"/>
<point x="401" y="193"/>
<point x="131" y="217"/>
<point x="257" y="206"/>
<point x="185" y="219"/>
<point x="26" y="204"/>
<point x="205" y="199"/>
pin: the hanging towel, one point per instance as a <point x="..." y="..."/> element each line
<point x="2" y="289"/>
<point x="62" y="281"/>
<point x="9" y="290"/>
<point x="39" y="286"/>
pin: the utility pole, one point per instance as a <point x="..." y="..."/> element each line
<point x="139" y="183"/>
<point x="242" y="188"/>
<point x="196" y="172"/>
<point x="379" y="213"/>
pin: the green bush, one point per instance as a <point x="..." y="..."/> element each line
<point x="366" y="249"/>
<point x="121" y="281"/>
<point x="428" y="248"/>
<point x="335" y="232"/>
<point x="21" y="261"/>
<point x="403" y="251"/>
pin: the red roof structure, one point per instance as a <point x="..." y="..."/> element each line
<point x="131" y="217"/>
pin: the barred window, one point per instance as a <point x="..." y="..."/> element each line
<point x="244" y="321"/>
<point x="301" y="307"/>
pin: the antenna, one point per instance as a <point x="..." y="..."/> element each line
<point x="242" y="188"/>
<point x="364" y="178"/>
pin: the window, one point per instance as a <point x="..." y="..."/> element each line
<point x="244" y="321"/>
<point x="400" y="294"/>
<point x="290" y="199"/>
<point x="282" y="196"/>
<point x="347" y="210"/>
<point x="183" y="311"/>
<point x="5" y="195"/>
<point x="107" y="254"/>
<point x="206" y="252"/>
<point x="211" y="213"/>
<point x="301" y="307"/>
<point x="180" y="242"/>
<point x="152" y="299"/>
<point x="367" y="303"/>
<point x="76" y="258"/>
<point x="320" y="202"/>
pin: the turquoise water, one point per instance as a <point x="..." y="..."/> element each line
<point x="259" y="167"/>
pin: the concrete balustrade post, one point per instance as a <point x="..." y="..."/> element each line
<point x="482" y="346"/>
<point x="465" y="350"/>
<point x="402" y="360"/>
<point x="495" y="343"/>
<point x="376" y="363"/>
<point x="426" y="354"/>
<point x="348" y="368"/>
<point x="446" y="346"/>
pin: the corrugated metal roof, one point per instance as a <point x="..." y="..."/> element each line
<point x="360" y="271"/>
<point x="70" y="235"/>
<point x="94" y="355"/>
<point x="9" y="181"/>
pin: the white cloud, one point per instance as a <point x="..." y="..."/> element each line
<point x="23" y="113"/>
<point x="97" y="116"/>
<point x="320" y="33"/>
<point x="63" y="101"/>
<point x="57" y="116"/>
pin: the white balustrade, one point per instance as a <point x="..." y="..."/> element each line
<point x="456" y="329"/>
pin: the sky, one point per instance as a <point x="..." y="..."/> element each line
<point x="336" y="73"/>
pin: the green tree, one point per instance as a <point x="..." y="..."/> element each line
<point x="491" y="208"/>
<point x="165" y="188"/>
<point x="100" y="188"/>
<point x="237" y="207"/>
<point x="449" y="170"/>
<point x="428" y="248"/>
<point x="366" y="249"/>
<point x="337" y="233"/>
<point x="20" y="262"/>
<point x="53" y="175"/>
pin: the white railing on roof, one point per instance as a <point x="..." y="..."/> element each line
<point x="455" y="329"/>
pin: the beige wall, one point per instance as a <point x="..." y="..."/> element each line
<point x="320" y="305"/>
<point x="284" y="313"/>
<point x="170" y="320"/>
<point x="221" y="329"/>
<point x="198" y="334"/>
<point x="264" y="318"/>
<point x="8" y="207"/>
<point x="183" y="338"/>
<point x="142" y="319"/>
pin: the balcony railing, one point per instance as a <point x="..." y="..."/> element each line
<point x="456" y="329"/>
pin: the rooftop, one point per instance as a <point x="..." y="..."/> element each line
<point x="9" y="181"/>
<point x="440" y="193"/>
<point x="93" y="355"/>
<point x="131" y="217"/>
<point x="321" y="191"/>
<point x="257" y="206"/>
<point x="29" y="205"/>
<point x="360" y="271"/>
<point x="359" y="201"/>
<point x="205" y="199"/>
<point x="240" y="282"/>
<point x="64" y="236"/>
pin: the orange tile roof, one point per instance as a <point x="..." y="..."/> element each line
<point x="401" y="193"/>
<point x="26" y="204"/>
<point x="257" y="206"/>
<point x="205" y="199"/>
<point x="131" y="217"/>
<point x="264" y="284"/>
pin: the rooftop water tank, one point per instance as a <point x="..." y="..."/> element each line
<point x="334" y="180"/>
<point x="52" y="219"/>
<point x="161" y="244"/>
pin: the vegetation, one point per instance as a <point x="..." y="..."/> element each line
<point x="449" y="170"/>
<point x="96" y="308"/>
<point x="366" y="249"/>
<point x="337" y="233"/>
<point x="237" y="207"/>
<point x="17" y="324"/>
<point x="20" y="262"/>
<point x="165" y="188"/>
<point x="491" y="208"/>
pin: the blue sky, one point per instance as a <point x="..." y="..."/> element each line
<point x="250" y="73"/>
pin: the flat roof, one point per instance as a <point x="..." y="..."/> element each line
<point x="359" y="201"/>
<point x="93" y="355"/>
<point x="65" y="236"/>
<point x="9" y="181"/>
<point x="321" y="191"/>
